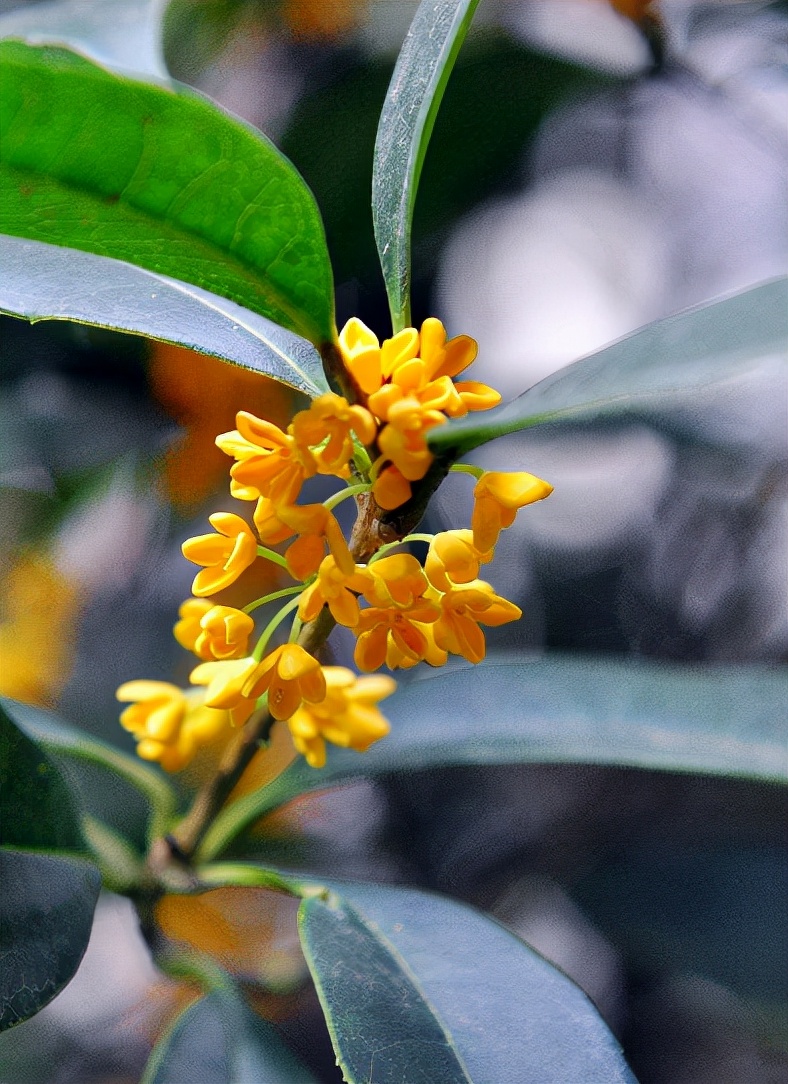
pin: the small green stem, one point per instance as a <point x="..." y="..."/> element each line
<point x="272" y="555"/>
<point x="216" y="874"/>
<point x="467" y="468"/>
<point x="349" y="491"/>
<point x="269" y="629"/>
<point x="295" y="631"/>
<point x="403" y="541"/>
<point x="273" y="597"/>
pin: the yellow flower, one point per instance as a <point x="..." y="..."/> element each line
<point x="379" y="626"/>
<point x="367" y="361"/>
<point x="452" y="558"/>
<point x="270" y="463"/>
<point x="462" y="610"/>
<point x="433" y="655"/>
<point x="168" y="723"/>
<point x="348" y="715"/>
<point x="397" y="580"/>
<point x="289" y="675"/>
<point x="316" y="527"/>
<point x="391" y="489"/>
<point x="224" y="633"/>
<point x="404" y="440"/>
<point x="224" y="556"/>
<point x="328" y="425"/>
<point x="335" y="588"/>
<point x="497" y="497"/>
<point x="191" y="612"/>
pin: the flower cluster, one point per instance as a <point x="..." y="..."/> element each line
<point x="401" y="611"/>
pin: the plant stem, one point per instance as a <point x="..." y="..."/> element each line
<point x="273" y="597"/>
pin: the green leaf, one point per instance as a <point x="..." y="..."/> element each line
<point x="47" y="282"/>
<point x="37" y="809"/>
<point x="418" y="988"/>
<point x="122" y="33"/>
<point x="63" y="741"/>
<point x="406" y="122"/>
<point x="46" y="914"/>
<point x="677" y="355"/>
<point x="571" y="710"/>
<point x="159" y="177"/>
<point x="217" y="1040"/>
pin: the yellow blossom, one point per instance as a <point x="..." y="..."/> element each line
<point x="462" y="610"/>
<point x="367" y="361"/>
<point x="391" y="489"/>
<point x="497" y="497"/>
<point x="188" y="628"/>
<point x="289" y="675"/>
<point x="316" y="527"/>
<point x="404" y="440"/>
<point x="336" y="588"/>
<point x="432" y="654"/>
<point x="452" y="558"/>
<point x="348" y="716"/>
<point x="397" y="580"/>
<point x="224" y="633"/>
<point x="168" y="723"/>
<point x="270" y="462"/>
<point x="379" y="626"/>
<point x="328" y="425"/>
<point x="224" y="556"/>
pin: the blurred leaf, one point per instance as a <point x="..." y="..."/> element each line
<point x="422" y="71"/>
<point x="217" y="1040"/>
<point x="62" y="740"/>
<point x="36" y="805"/>
<point x="47" y="282"/>
<point x="121" y="33"/>
<point x="570" y="710"/>
<point x="194" y="32"/>
<point x="331" y="139"/>
<point x="46" y="914"/>
<point x="677" y="355"/>
<point x="419" y="988"/>
<point x="161" y="178"/>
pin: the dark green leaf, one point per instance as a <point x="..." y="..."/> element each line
<point x="158" y="177"/>
<point x="122" y="33"/>
<point x="383" y="1028"/>
<point x="406" y="122"/>
<point x="677" y="355"/>
<point x="47" y="282"/>
<point x="718" y="720"/>
<point x="37" y="809"/>
<point x="218" y="1041"/>
<point x="419" y="988"/>
<point x="46" y="914"/>
<point x="65" y="742"/>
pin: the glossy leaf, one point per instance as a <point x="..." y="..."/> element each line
<point x="47" y="282"/>
<point x="570" y="710"/>
<point x="46" y="914"/>
<point x="121" y="33"/>
<point x="677" y="355"/>
<point x="216" y="1040"/>
<point x="406" y="122"/>
<point x="37" y="809"/>
<point x="63" y="741"/>
<point x="158" y="177"/>
<point x="418" y="988"/>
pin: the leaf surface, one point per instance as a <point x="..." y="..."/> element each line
<point x="162" y="178"/>
<point x="216" y="1040"/>
<point x="47" y="282"/>
<point x="46" y="914"/>
<point x="559" y="709"/>
<point x="677" y="355"/>
<point x="425" y="989"/>
<point x="406" y="122"/>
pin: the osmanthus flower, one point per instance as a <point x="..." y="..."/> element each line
<point x="188" y="628"/>
<point x="497" y="498"/>
<point x="327" y="428"/>
<point x="224" y="556"/>
<point x="391" y="488"/>
<point x="348" y="716"/>
<point x="213" y="632"/>
<point x="433" y="655"/>
<point x="380" y="626"/>
<point x="269" y="462"/>
<point x="316" y="527"/>
<point x="366" y="360"/>
<point x="169" y="724"/>
<point x="336" y="588"/>
<point x="462" y="610"/>
<point x="453" y="559"/>
<point x="289" y="674"/>
<point x="397" y="580"/>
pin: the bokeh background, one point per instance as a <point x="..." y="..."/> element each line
<point x="595" y="165"/>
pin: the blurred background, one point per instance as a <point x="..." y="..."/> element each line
<point x="595" y="165"/>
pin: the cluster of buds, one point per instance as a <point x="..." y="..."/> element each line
<point x="401" y="611"/>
